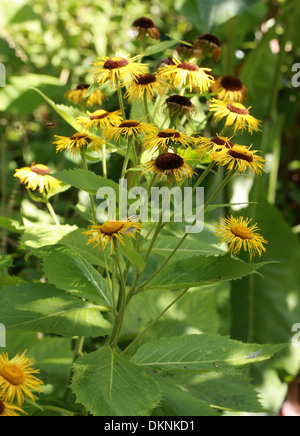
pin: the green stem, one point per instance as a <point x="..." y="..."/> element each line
<point x="155" y="320"/>
<point x="221" y="187"/>
<point x="51" y="210"/>
<point x="127" y="158"/>
<point x="121" y="306"/>
<point x="104" y="163"/>
<point x="120" y="97"/>
<point x="93" y="207"/>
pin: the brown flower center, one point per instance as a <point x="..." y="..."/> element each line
<point x="145" y="79"/>
<point x="169" y="133"/>
<point x="13" y="374"/>
<point x="99" y="115"/>
<point x="115" y="62"/>
<point x="219" y="141"/>
<point x="40" y="169"/>
<point x="83" y="86"/>
<point x="110" y="228"/>
<point x="180" y="100"/>
<point x="244" y="155"/>
<point x="77" y="136"/>
<point x="209" y="38"/>
<point x="169" y="162"/>
<point x="144" y="23"/>
<point x="2" y="408"/>
<point x="129" y="123"/>
<point x="188" y="66"/>
<point x="242" y="232"/>
<point x="232" y="83"/>
<point x="237" y="110"/>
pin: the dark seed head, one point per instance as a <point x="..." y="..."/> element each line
<point x="40" y="169"/>
<point x="209" y="38"/>
<point x="2" y="408"/>
<point x="115" y="62"/>
<point x="129" y="123"/>
<point x="169" y="162"/>
<point x="237" y="110"/>
<point x="99" y="117"/>
<point x="78" y="136"/>
<point x="180" y="100"/>
<point x="145" y="79"/>
<point x="169" y="133"/>
<point x="188" y="66"/>
<point x="232" y="83"/>
<point x="83" y="86"/>
<point x="218" y="141"/>
<point x="144" y="23"/>
<point x="238" y="155"/>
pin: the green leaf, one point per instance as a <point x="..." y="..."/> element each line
<point x="201" y="270"/>
<point x="74" y="275"/>
<point x="5" y="261"/>
<point x="132" y="254"/>
<point x="109" y="385"/>
<point x="11" y="225"/>
<point x="44" y="308"/>
<point x="177" y="401"/>
<point x="205" y="353"/>
<point x="68" y="113"/>
<point x="160" y="47"/>
<point x="86" y="181"/>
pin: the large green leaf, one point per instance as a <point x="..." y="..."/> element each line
<point x="204" y="353"/>
<point x="11" y="225"/>
<point x="109" y="385"/>
<point x="43" y="308"/>
<point x="206" y="14"/>
<point x="69" y="271"/>
<point x="201" y="270"/>
<point x="177" y="401"/>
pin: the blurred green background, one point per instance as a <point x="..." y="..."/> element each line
<point x="51" y="44"/>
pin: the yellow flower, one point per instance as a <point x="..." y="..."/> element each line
<point x="100" y="119"/>
<point x="214" y="145"/>
<point x="179" y="105"/>
<point x="187" y="74"/>
<point x="17" y="379"/>
<point x="240" y="157"/>
<point x="209" y="45"/>
<point x="130" y="128"/>
<point x="9" y="409"/>
<point x="169" y="138"/>
<point x="77" y="143"/>
<point x="145" y="26"/>
<point x="169" y="167"/>
<point x="230" y="88"/>
<point x="37" y="177"/>
<point x="237" y="233"/>
<point x="110" y="231"/>
<point x="235" y="113"/>
<point x="117" y="70"/>
<point x="77" y="95"/>
<point x="147" y="85"/>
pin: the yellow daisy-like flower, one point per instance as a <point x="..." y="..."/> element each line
<point x="236" y="114"/>
<point x="118" y="70"/>
<point x="130" y="128"/>
<point x="240" y="157"/>
<point x="17" y="378"/>
<point x="169" y="138"/>
<point x="37" y="177"/>
<point x="146" y="26"/>
<point x="213" y="145"/>
<point x="179" y="105"/>
<point x="77" y="143"/>
<point x="9" y="409"/>
<point x="237" y="233"/>
<point x="147" y="85"/>
<point x="170" y="167"/>
<point x="187" y="74"/>
<point x="230" y="88"/>
<point x="110" y="231"/>
<point x="78" y="95"/>
<point x="100" y="119"/>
